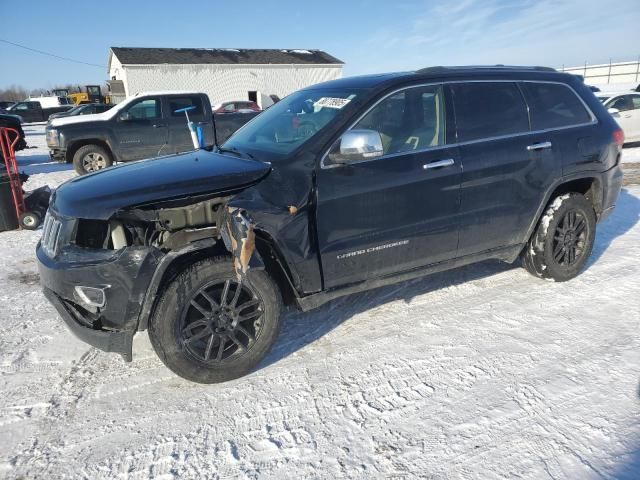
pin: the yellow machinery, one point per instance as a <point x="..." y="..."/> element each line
<point x="92" y="94"/>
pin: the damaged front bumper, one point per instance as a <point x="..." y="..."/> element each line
<point x="123" y="275"/>
<point x="110" y="341"/>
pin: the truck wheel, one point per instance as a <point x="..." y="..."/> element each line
<point x="563" y="239"/>
<point x="208" y="327"/>
<point x="91" y="158"/>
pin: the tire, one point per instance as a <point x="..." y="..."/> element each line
<point x="29" y="220"/>
<point x="197" y="342"/>
<point x="91" y="158"/>
<point x="563" y="239"/>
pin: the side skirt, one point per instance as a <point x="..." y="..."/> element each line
<point x="507" y="254"/>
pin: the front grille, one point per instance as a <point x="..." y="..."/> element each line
<point x="51" y="230"/>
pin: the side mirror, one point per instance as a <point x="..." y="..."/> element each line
<point x="124" y="117"/>
<point x="355" y="146"/>
<point x="613" y="112"/>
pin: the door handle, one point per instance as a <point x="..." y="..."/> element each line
<point x="438" y="164"/>
<point x="539" y="146"/>
<point x="203" y="123"/>
<point x="158" y="125"/>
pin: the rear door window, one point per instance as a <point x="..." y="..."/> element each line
<point x="488" y="109"/>
<point x="554" y="105"/>
<point x="177" y="103"/>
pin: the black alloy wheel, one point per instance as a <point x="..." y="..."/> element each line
<point x="570" y="238"/>
<point x="210" y="327"/>
<point x="220" y="321"/>
<point x="563" y="239"/>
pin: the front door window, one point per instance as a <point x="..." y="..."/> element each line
<point x="145" y="110"/>
<point x="409" y="120"/>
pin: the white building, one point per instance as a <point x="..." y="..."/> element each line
<point x="223" y="73"/>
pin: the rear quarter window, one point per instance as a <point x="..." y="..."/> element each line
<point x="487" y="109"/>
<point x="554" y="105"/>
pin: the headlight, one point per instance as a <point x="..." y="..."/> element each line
<point x="53" y="140"/>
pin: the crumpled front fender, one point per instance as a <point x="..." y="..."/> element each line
<point x="238" y="234"/>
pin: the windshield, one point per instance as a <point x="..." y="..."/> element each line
<point x="603" y="99"/>
<point x="289" y="123"/>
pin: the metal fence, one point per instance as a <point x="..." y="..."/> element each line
<point x="608" y="73"/>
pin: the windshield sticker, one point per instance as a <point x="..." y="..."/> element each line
<point x="331" y="102"/>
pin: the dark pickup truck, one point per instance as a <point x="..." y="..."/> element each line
<point x="144" y="126"/>
<point x="32" y="111"/>
<point x="338" y="188"/>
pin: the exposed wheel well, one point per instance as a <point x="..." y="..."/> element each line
<point x="74" y="147"/>
<point x="175" y="268"/>
<point x="267" y="251"/>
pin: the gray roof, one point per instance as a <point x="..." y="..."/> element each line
<point x="222" y="56"/>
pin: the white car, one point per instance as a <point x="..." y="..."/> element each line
<point x="625" y="108"/>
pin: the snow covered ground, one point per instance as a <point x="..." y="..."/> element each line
<point x="631" y="155"/>
<point x="482" y="372"/>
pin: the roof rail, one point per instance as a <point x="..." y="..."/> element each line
<point x="442" y="68"/>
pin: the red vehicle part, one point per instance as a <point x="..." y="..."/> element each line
<point x="9" y="137"/>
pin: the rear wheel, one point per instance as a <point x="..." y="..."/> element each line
<point x="91" y="158"/>
<point x="209" y="327"/>
<point x="563" y="240"/>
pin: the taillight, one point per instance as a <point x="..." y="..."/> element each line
<point x="618" y="137"/>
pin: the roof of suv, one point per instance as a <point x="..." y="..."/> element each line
<point x="368" y="81"/>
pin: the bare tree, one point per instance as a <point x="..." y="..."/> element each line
<point x="13" y="93"/>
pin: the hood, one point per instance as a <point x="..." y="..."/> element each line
<point x="61" y="114"/>
<point x="11" y="116"/>
<point x="65" y="119"/>
<point x="99" y="195"/>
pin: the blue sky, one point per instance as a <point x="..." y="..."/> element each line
<point x="369" y="36"/>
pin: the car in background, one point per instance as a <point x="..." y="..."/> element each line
<point x="5" y="104"/>
<point x="85" y="109"/>
<point x="147" y="125"/>
<point x="237" y="106"/>
<point x="625" y="108"/>
<point x="12" y="121"/>
<point x="33" y="111"/>
<point x="6" y="113"/>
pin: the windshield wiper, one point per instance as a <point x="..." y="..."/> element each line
<point x="235" y="151"/>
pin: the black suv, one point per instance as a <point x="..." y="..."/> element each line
<point x="340" y="187"/>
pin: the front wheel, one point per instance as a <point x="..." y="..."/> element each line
<point x="563" y="239"/>
<point x="91" y="158"/>
<point x="209" y="327"/>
